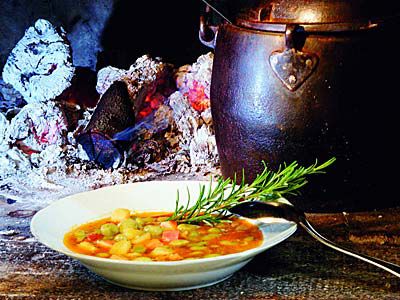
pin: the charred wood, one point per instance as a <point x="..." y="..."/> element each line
<point x="113" y="114"/>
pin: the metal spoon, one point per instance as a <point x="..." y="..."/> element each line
<point x="279" y="209"/>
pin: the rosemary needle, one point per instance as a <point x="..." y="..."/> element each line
<point x="212" y="203"/>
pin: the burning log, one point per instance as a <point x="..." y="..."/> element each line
<point x="40" y="66"/>
<point x="114" y="111"/>
<point x="148" y="141"/>
<point x="113" y="114"/>
<point x="142" y="79"/>
<point x="124" y="95"/>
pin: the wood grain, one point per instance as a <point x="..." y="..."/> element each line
<point x="298" y="268"/>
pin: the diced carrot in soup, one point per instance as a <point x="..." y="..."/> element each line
<point x="170" y="235"/>
<point x="94" y="237"/>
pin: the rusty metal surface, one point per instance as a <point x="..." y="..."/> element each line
<point x="298" y="268"/>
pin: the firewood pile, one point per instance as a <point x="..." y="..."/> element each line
<point x="150" y="120"/>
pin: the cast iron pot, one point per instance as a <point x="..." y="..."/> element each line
<point x="307" y="80"/>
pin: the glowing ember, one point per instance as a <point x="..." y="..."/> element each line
<point x="24" y="148"/>
<point x="197" y="97"/>
<point x="151" y="103"/>
<point x="38" y="125"/>
<point x="49" y="134"/>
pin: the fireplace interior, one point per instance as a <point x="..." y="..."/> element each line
<point x="100" y="93"/>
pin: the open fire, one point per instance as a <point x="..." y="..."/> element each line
<point x="59" y="136"/>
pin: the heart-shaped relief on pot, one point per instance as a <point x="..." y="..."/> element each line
<point x="293" y="67"/>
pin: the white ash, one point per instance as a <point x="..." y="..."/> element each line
<point x="37" y="187"/>
<point x="40" y="178"/>
<point x="207" y="118"/>
<point x="40" y="66"/>
<point x="197" y="139"/>
<point x="15" y="164"/>
<point x="4" y="124"/>
<point x="107" y="76"/>
<point x="38" y="125"/>
<point x="186" y="118"/>
<point x="11" y="161"/>
<point x="199" y="72"/>
<point x="47" y="161"/>
<point x="197" y="136"/>
<point x="203" y="146"/>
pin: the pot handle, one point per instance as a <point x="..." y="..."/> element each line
<point x="291" y="65"/>
<point x="207" y="33"/>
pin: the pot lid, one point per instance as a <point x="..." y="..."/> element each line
<point x="261" y="14"/>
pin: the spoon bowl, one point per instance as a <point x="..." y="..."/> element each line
<point x="283" y="209"/>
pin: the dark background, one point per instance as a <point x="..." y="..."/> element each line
<point x="110" y="32"/>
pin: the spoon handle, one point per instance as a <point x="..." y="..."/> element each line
<point x="387" y="266"/>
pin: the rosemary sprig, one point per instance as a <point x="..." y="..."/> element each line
<point x="213" y="203"/>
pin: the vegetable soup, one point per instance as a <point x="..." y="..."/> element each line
<point x="150" y="236"/>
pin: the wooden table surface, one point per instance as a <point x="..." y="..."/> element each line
<point x="298" y="268"/>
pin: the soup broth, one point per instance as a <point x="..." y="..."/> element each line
<point x="151" y="237"/>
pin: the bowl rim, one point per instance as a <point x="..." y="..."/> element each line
<point x="82" y="257"/>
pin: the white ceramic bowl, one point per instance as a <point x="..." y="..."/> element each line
<point x="51" y="223"/>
